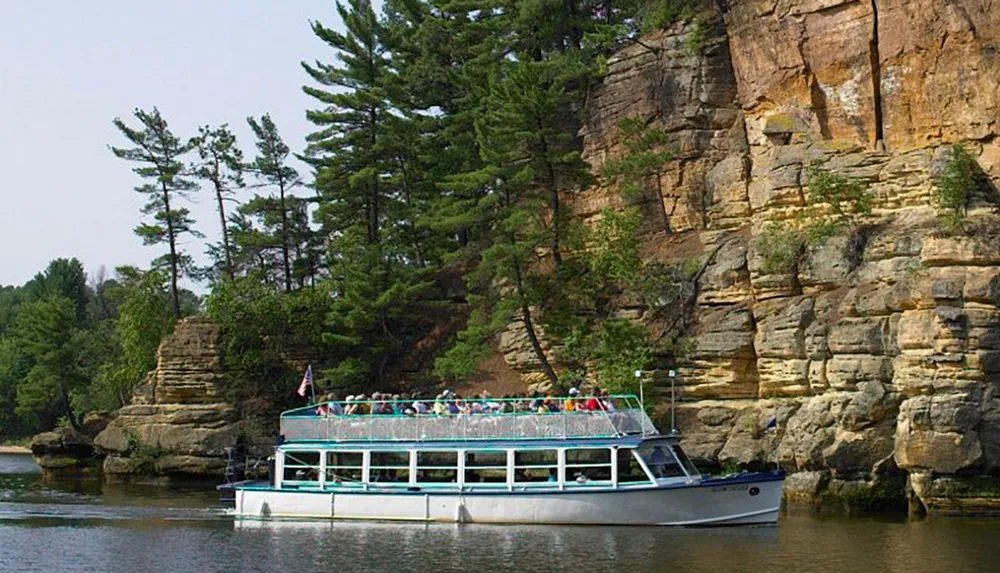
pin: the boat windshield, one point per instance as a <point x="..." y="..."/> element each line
<point x="660" y="459"/>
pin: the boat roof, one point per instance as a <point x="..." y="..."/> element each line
<point x="625" y="441"/>
<point x="472" y="420"/>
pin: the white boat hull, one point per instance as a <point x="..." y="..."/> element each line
<point x="744" y="500"/>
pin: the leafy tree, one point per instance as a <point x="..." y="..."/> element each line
<point x="66" y="278"/>
<point x="143" y="322"/>
<point x="60" y="365"/>
<point x="263" y="330"/>
<point x="159" y="154"/>
<point x="955" y="187"/>
<point x="638" y="171"/>
<point x="221" y="164"/>
<point x="14" y="365"/>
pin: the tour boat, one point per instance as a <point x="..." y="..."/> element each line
<point x="500" y="464"/>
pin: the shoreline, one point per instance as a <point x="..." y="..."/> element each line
<point x="14" y="450"/>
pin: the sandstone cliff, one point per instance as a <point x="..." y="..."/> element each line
<point x="878" y="352"/>
<point x="177" y="424"/>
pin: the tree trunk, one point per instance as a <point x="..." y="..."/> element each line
<point x="284" y="235"/>
<point x="172" y="240"/>
<point x="414" y="236"/>
<point x="216" y="180"/>
<point x="529" y="325"/>
<point x="554" y="206"/>
<point x="373" y="213"/>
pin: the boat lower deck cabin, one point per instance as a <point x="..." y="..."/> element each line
<point x="488" y="466"/>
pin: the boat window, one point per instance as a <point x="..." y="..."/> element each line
<point x="685" y="461"/>
<point x="629" y="469"/>
<point x="301" y="466"/>
<point x="588" y="456"/>
<point x="389" y="467"/>
<point x="536" y="467"/>
<point x="588" y="466"/>
<point x="486" y="467"/>
<point x="344" y="468"/>
<point x="660" y="460"/>
<point x="437" y="467"/>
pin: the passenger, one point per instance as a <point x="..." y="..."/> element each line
<point x="536" y="403"/>
<point x="453" y="408"/>
<point x="398" y="406"/>
<point x="552" y="475"/>
<point x="593" y="404"/>
<point x="419" y="408"/>
<point x="571" y="402"/>
<point x="440" y="408"/>
<point x="550" y="404"/>
<point x="607" y="404"/>
<point x="363" y="407"/>
<point x="350" y="407"/>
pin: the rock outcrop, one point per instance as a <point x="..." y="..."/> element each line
<point x="178" y="423"/>
<point x="878" y="351"/>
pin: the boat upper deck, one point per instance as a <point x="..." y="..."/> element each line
<point x="467" y="420"/>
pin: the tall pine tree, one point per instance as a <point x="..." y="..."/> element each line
<point x="160" y="154"/>
<point x="220" y="164"/>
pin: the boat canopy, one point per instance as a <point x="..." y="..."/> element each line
<point x="477" y="419"/>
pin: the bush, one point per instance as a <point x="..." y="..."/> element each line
<point x="954" y="188"/>
<point x="780" y="249"/>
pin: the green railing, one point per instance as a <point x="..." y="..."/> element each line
<point x="486" y="419"/>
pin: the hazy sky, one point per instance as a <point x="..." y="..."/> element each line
<point x="68" y="67"/>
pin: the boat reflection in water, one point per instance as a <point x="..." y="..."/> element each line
<point x="506" y="464"/>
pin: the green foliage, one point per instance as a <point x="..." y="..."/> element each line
<point x="780" y="249"/>
<point x="220" y="164"/>
<point x="144" y="320"/>
<point x="955" y="187"/>
<point x="847" y="198"/>
<point x="837" y="203"/>
<point x="45" y="331"/>
<point x="663" y="13"/>
<point x="141" y="457"/>
<point x="637" y="172"/>
<point x="615" y="348"/>
<point x="263" y="330"/>
<point x="158" y="152"/>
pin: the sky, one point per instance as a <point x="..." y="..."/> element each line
<point x="67" y="68"/>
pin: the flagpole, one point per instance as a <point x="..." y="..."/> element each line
<point x="312" y="382"/>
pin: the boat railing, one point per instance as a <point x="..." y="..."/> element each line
<point x="466" y="420"/>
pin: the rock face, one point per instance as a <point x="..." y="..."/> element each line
<point x="878" y="351"/>
<point x="177" y="423"/>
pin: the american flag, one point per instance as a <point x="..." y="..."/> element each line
<point x="307" y="380"/>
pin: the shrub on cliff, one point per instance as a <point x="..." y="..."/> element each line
<point x="954" y="188"/>
<point x="835" y="203"/>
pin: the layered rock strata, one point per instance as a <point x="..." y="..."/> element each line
<point x="177" y="423"/>
<point x="878" y="351"/>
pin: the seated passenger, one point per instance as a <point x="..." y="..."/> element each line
<point x="440" y="408"/>
<point x="419" y="408"/>
<point x="571" y="402"/>
<point x="550" y="404"/>
<point x="607" y="404"/>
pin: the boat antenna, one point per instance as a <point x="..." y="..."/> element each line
<point x="672" y="374"/>
<point x="642" y="403"/>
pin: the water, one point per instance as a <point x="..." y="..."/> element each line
<point x="81" y="526"/>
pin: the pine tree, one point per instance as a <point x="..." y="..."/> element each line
<point x="346" y="152"/>
<point x="221" y="165"/>
<point x="272" y="170"/>
<point x="159" y="154"/>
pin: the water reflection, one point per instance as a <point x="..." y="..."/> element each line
<point x="78" y="526"/>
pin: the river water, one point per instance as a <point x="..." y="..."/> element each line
<point x="82" y="526"/>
